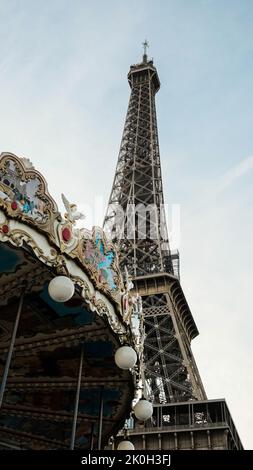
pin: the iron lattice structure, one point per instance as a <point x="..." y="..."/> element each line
<point x="137" y="187"/>
<point x="135" y="220"/>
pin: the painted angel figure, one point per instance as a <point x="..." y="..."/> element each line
<point x="127" y="299"/>
<point x="72" y="214"/>
<point x="129" y="283"/>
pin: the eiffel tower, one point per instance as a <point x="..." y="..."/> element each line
<point x="135" y="220"/>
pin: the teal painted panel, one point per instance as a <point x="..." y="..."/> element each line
<point x="9" y="259"/>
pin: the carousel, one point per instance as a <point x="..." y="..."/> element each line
<point x="69" y="358"/>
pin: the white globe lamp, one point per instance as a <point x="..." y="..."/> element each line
<point x="61" y="288"/>
<point x="125" y="445"/>
<point x="125" y="357"/>
<point x="143" y="410"/>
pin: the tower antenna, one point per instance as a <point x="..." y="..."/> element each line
<point x="145" y="46"/>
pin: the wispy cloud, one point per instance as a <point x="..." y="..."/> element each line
<point x="234" y="173"/>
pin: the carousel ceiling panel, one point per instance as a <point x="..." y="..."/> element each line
<point x="14" y="263"/>
<point x="41" y="314"/>
<point x="17" y="267"/>
<point x="62" y="361"/>
<point x="10" y="259"/>
<point x="72" y="309"/>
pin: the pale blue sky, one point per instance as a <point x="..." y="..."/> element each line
<point x="63" y="99"/>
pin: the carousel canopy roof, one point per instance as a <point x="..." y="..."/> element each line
<point x="36" y="244"/>
<point x="24" y="197"/>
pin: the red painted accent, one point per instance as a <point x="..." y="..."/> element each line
<point x="66" y="234"/>
<point x="5" y="228"/>
<point x="14" y="205"/>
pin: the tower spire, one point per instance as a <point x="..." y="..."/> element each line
<point x="145" y="46"/>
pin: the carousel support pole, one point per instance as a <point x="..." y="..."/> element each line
<point x="11" y="347"/>
<point x="73" y="433"/>
<point x="100" y="420"/>
<point x="92" y="436"/>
